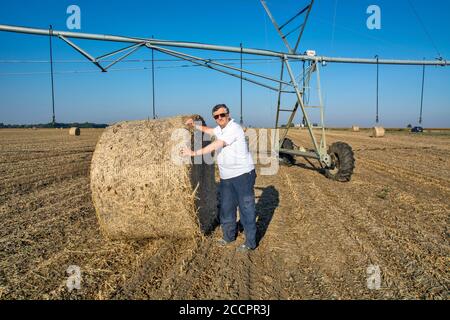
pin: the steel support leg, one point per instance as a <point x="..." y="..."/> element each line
<point x="324" y="158"/>
<point x="279" y="95"/>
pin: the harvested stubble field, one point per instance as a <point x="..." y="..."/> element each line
<point x="318" y="236"/>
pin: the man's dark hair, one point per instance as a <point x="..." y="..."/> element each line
<point x="220" y="106"/>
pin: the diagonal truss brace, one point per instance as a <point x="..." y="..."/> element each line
<point x="211" y="64"/>
<point x="275" y="24"/>
<point x="306" y="11"/>
<point x="96" y="61"/>
<point x="83" y="53"/>
<point x="133" y="50"/>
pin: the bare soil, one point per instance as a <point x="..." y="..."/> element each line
<point x="318" y="237"/>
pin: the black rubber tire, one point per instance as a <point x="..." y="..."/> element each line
<point x="343" y="160"/>
<point x="287" y="159"/>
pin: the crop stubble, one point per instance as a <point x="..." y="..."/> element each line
<point x="318" y="236"/>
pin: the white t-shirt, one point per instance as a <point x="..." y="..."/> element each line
<point x="234" y="159"/>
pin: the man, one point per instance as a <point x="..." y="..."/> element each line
<point x="237" y="176"/>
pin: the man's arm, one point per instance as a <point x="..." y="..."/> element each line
<point x="207" y="130"/>
<point x="216" y="145"/>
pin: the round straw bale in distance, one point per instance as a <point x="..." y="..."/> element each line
<point x="74" y="131"/>
<point x="378" y="132"/>
<point x="355" y="128"/>
<point x="139" y="191"/>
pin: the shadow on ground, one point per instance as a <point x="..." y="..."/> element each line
<point x="267" y="203"/>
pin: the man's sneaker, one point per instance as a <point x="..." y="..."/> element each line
<point x="223" y="243"/>
<point x="243" y="248"/>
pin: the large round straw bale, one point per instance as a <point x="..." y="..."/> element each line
<point x="74" y="131"/>
<point x="355" y="128"/>
<point x="140" y="189"/>
<point x="378" y="132"/>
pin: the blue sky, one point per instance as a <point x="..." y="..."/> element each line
<point x="336" y="28"/>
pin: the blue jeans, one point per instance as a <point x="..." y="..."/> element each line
<point x="234" y="192"/>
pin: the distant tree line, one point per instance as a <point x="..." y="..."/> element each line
<point x="56" y="125"/>
<point x="285" y="125"/>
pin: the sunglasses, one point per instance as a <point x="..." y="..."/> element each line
<point x="222" y="115"/>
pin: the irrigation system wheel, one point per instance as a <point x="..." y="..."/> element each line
<point x="342" y="162"/>
<point x="287" y="159"/>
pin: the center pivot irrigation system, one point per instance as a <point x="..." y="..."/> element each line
<point x="337" y="161"/>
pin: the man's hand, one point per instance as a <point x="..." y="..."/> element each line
<point x="190" y="122"/>
<point x="186" y="152"/>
